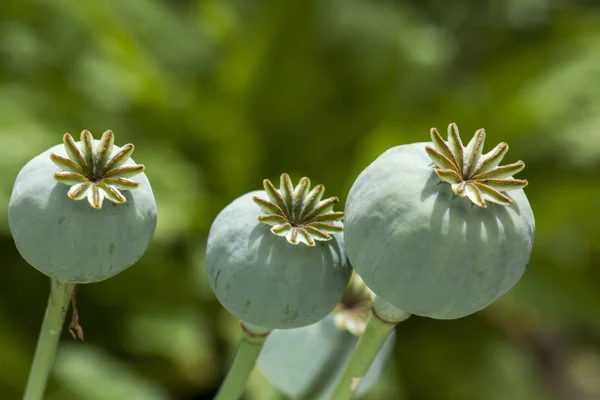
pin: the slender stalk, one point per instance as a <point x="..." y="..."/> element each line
<point x="248" y="350"/>
<point x="276" y="395"/>
<point x="58" y="305"/>
<point x="382" y="321"/>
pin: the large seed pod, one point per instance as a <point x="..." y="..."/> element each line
<point x="82" y="241"/>
<point x="307" y="362"/>
<point x="288" y="276"/>
<point x="429" y="227"/>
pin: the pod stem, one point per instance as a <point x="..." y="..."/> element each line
<point x="382" y="321"/>
<point x="56" y="310"/>
<point x="250" y="345"/>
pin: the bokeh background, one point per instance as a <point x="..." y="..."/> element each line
<point x="219" y="94"/>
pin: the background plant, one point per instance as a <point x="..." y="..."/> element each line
<point x="307" y="362"/>
<point x="212" y="90"/>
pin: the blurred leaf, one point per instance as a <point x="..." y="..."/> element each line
<point x="90" y="373"/>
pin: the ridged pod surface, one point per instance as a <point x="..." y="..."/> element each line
<point x="423" y="246"/>
<point x="307" y="362"/>
<point x="70" y="240"/>
<point x="264" y="279"/>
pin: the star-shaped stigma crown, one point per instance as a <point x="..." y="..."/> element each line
<point x="354" y="309"/>
<point x="93" y="172"/>
<point x="298" y="213"/>
<point x="472" y="174"/>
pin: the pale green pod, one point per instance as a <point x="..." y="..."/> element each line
<point x="263" y="278"/>
<point x="307" y="362"/>
<point x="430" y="243"/>
<point x="71" y="240"/>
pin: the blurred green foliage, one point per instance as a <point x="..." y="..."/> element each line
<point x="219" y="94"/>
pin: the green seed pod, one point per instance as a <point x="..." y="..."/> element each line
<point x="440" y="239"/>
<point x="288" y="276"/>
<point x="82" y="241"/>
<point x="307" y="362"/>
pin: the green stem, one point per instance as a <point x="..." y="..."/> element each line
<point x="248" y="350"/>
<point x="58" y="305"/>
<point x="381" y="323"/>
<point x="278" y="396"/>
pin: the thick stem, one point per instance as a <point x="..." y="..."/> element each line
<point x="251" y="343"/>
<point x="379" y="326"/>
<point x="56" y="310"/>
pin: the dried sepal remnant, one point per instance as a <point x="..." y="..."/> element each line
<point x="93" y="172"/>
<point x="298" y="213"/>
<point x="354" y="309"/>
<point x="471" y="173"/>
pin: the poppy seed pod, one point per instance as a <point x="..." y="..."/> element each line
<point x="306" y="362"/>
<point x="431" y="229"/>
<point x="82" y="241"/>
<point x="290" y="275"/>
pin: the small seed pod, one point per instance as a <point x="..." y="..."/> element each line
<point x="307" y="362"/>
<point x="430" y="229"/>
<point x="82" y="241"/>
<point x="288" y="276"/>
